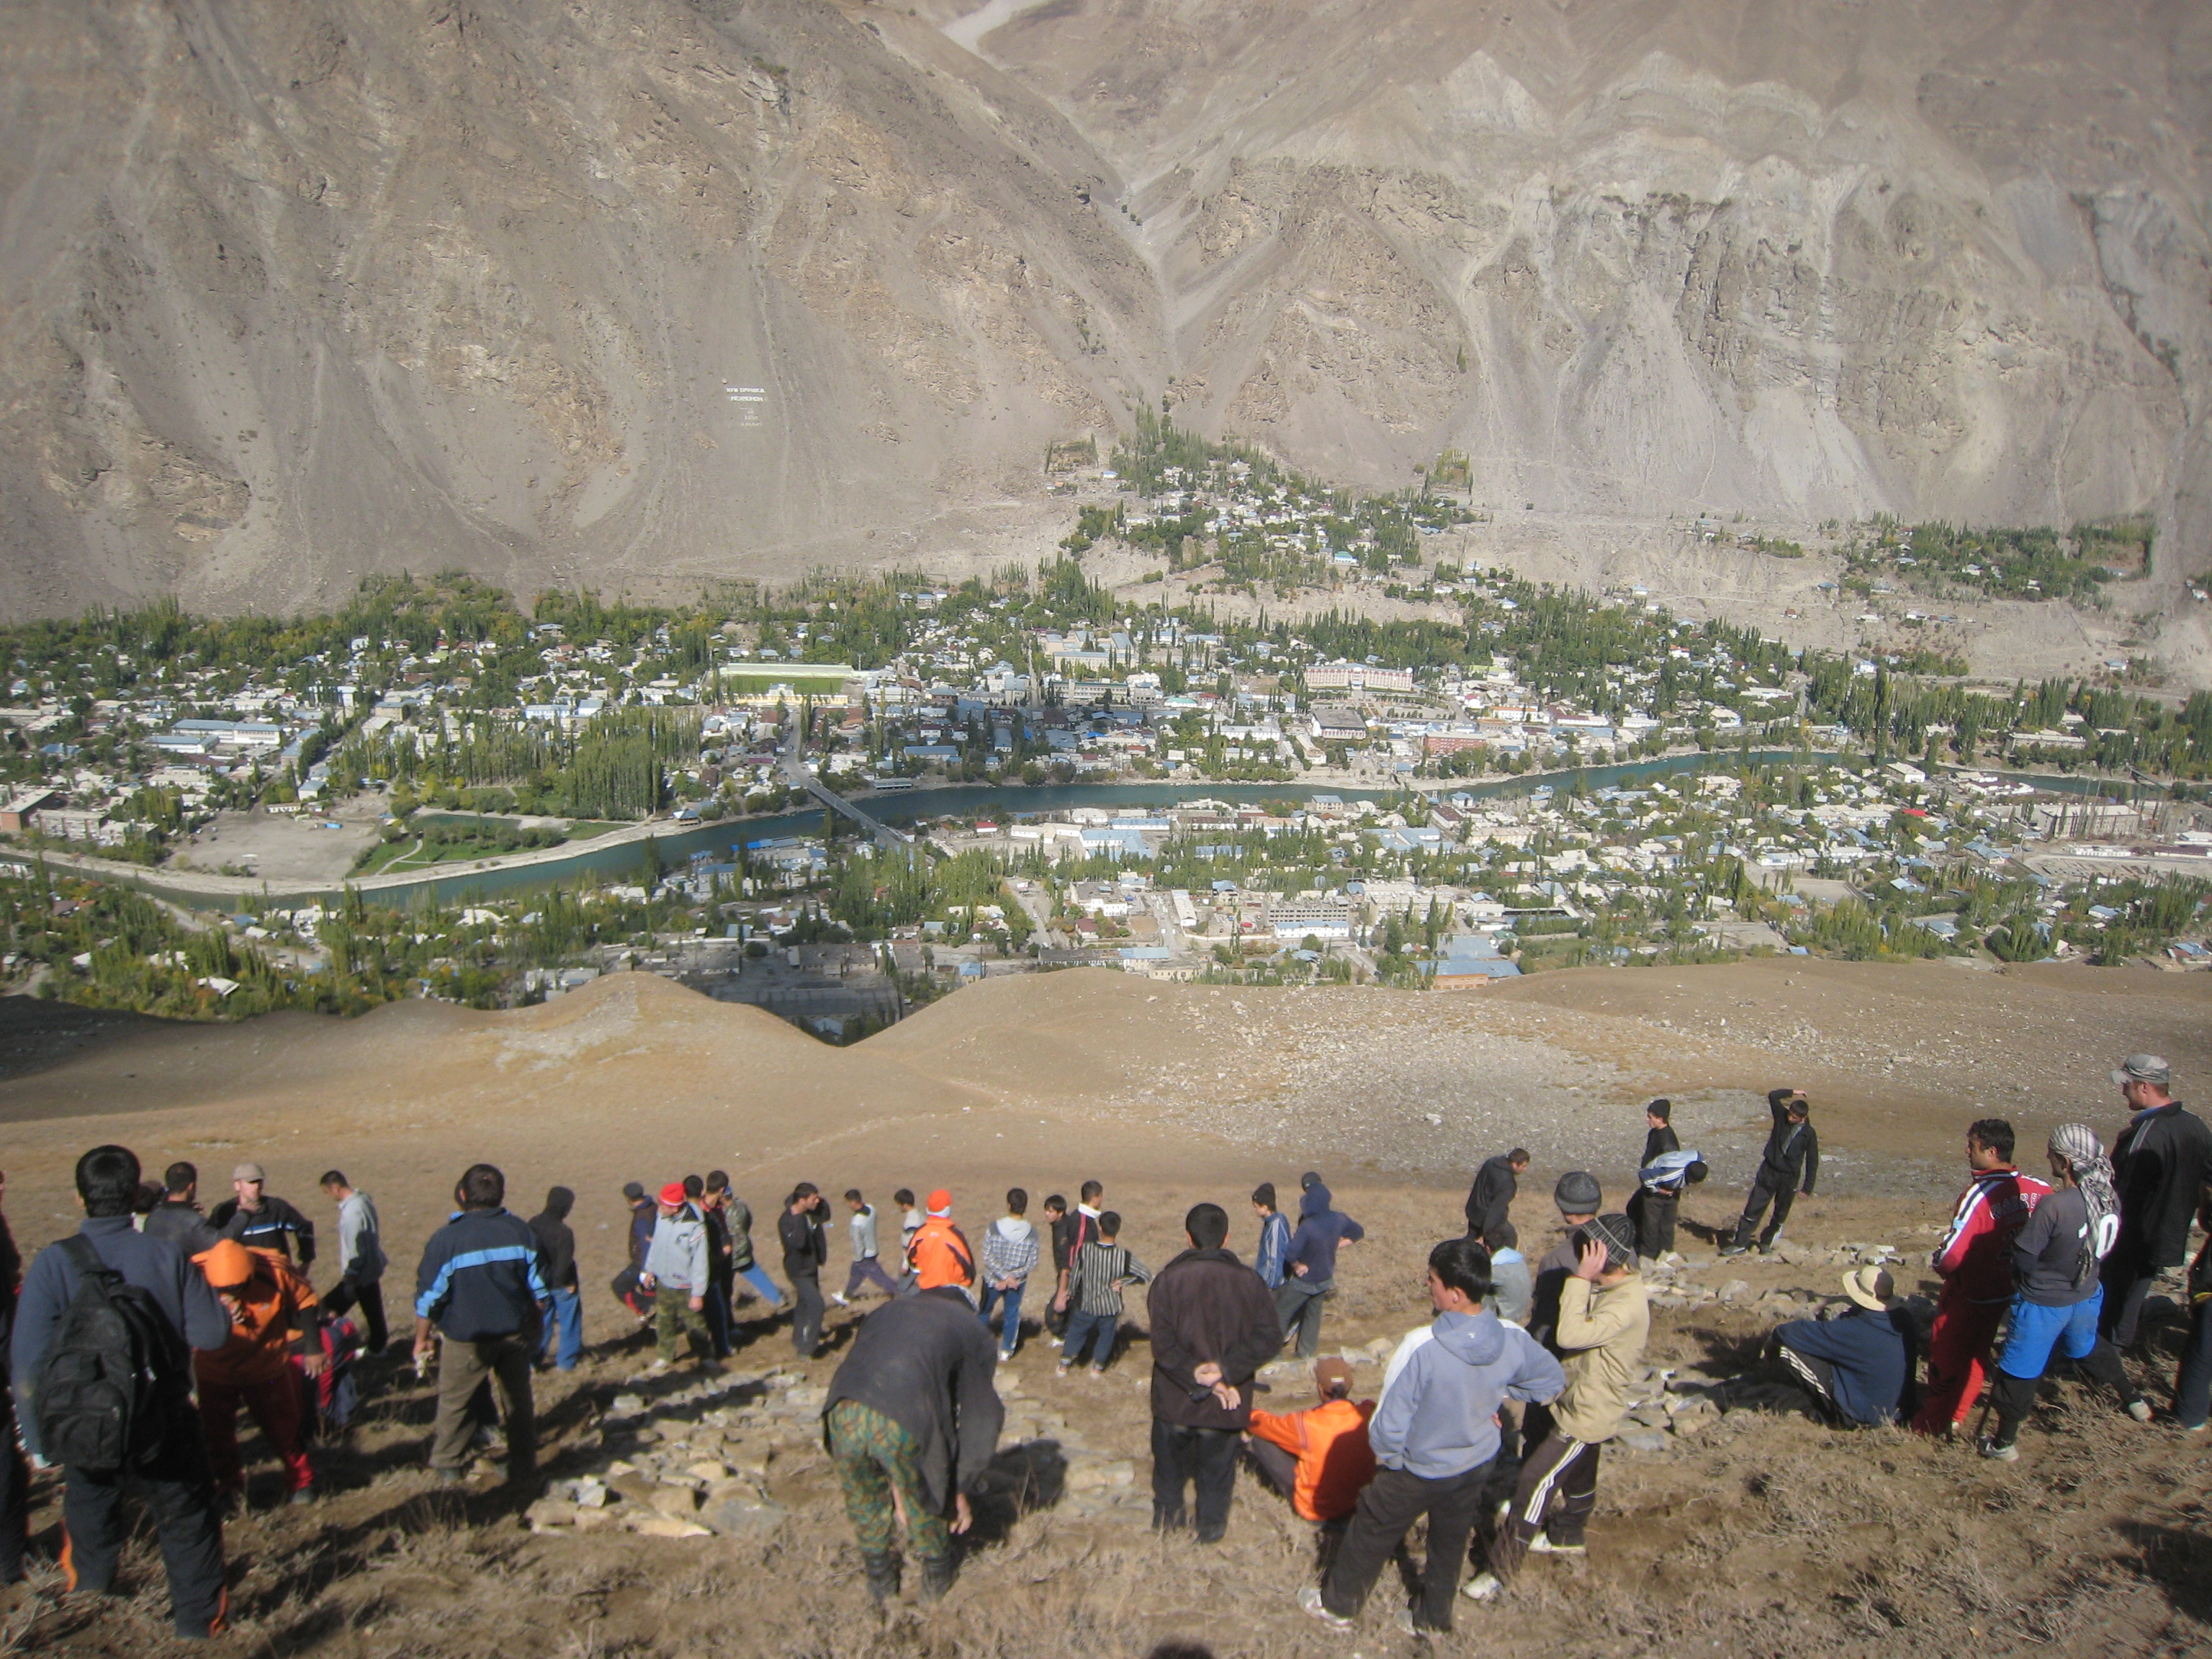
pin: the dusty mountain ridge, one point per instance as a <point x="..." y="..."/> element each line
<point x="640" y="295"/>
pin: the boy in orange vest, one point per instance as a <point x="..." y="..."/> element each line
<point x="1318" y="1458"/>
<point x="274" y="1319"/>
<point x="940" y="1254"/>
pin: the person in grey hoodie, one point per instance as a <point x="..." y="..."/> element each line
<point x="1010" y="1256"/>
<point x="867" y="1268"/>
<point x="1434" y="1435"/>
<point x="676" y="1273"/>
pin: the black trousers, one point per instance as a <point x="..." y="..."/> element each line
<point x="1557" y="1492"/>
<point x="2015" y="1396"/>
<point x="2128" y="1276"/>
<point x="370" y="1298"/>
<point x="1817" y="1377"/>
<point x="179" y="1491"/>
<point x="1781" y="1197"/>
<point x="1388" y="1506"/>
<point x="1204" y="1458"/>
<point x="1653" y="1215"/>
<point x="806" y="1314"/>
<point x="15" y="1491"/>
<point x="1276" y="1466"/>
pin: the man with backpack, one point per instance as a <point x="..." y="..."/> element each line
<point x="100" y="1357"/>
<point x="478" y="1283"/>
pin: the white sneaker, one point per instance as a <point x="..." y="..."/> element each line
<point x="838" y="1300"/>
<point x="2140" y="1410"/>
<point x="1540" y="1545"/>
<point x="656" y="1368"/>
<point x="1482" y="1587"/>
<point x="1309" y="1603"/>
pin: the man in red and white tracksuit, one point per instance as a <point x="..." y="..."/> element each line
<point x="1975" y="1263"/>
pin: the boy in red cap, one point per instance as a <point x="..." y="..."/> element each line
<point x="676" y="1268"/>
<point x="273" y="1318"/>
<point x="940" y="1254"/>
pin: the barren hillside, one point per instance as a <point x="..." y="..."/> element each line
<point x="640" y="296"/>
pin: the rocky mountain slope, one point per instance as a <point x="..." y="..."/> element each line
<point x="641" y="294"/>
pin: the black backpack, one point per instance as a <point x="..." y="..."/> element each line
<point x="112" y="1376"/>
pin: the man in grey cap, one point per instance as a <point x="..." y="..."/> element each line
<point x="2160" y="1161"/>
<point x="262" y="1221"/>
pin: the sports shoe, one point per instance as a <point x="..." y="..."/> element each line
<point x="1004" y="1355"/>
<point x="1309" y="1603"/>
<point x="302" y="1498"/>
<point x="1482" y="1587"/>
<point x="1735" y="1249"/>
<point x="1996" y="1454"/>
<point x="1403" y="1619"/>
<point x="838" y="1299"/>
<point x="1542" y="1545"/>
<point x="2140" y="1410"/>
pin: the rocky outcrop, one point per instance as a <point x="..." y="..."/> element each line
<point x="643" y="294"/>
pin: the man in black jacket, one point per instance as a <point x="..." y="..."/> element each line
<point x="806" y="1239"/>
<point x="1651" y="1210"/>
<point x="478" y="1284"/>
<point x="1790" y="1164"/>
<point x="177" y="1218"/>
<point x="261" y="1221"/>
<point x="1213" y="1325"/>
<point x="912" y="1420"/>
<point x="2160" y="1161"/>
<point x="1492" y="1196"/>
<point x="556" y="1266"/>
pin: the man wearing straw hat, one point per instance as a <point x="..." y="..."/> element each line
<point x="1858" y="1367"/>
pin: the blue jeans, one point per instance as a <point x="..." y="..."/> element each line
<point x="2037" y="1329"/>
<point x="763" y="1286"/>
<point x="567" y="1325"/>
<point x="1081" y="1327"/>
<point x="1010" y="1327"/>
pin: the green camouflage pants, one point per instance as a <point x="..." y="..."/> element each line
<point x="875" y="1457"/>
<point x="672" y="1315"/>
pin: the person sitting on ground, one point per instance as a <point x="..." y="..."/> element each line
<point x="1318" y="1458"/>
<point x="1789" y="1163"/>
<point x="1321" y="1230"/>
<point x="2192" y="1383"/>
<point x="1434" y="1438"/>
<point x="1858" y="1368"/>
<point x="262" y="1221"/>
<point x="940" y="1254"/>
<point x="1605" y="1320"/>
<point x="274" y="1320"/>
<point x="1094" y="1323"/>
<point x="1512" y="1290"/>
<point x="177" y="1218"/>
<point x="1271" y="1260"/>
<point x="1491" y="1197"/>
<point x="1010" y="1256"/>
<point x="676" y="1272"/>
<point x="2057" y="1256"/>
<point x="866" y="1269"/>
<point x="911" y="1422"/>
<point x="1212" y="1326"/>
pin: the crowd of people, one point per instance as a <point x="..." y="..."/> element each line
<point x="134" y="1344"/>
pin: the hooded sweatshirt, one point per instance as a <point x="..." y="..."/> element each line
<point x="1438" y="1414"/>
<point x="862" y="1226"/>
<point x="677" y="1259"/>
<point x="1010" y="1250"/>
<point x="1320" y="1231"/>
<point x="557" y="1243"/>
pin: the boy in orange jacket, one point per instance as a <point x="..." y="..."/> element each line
<point x="1318" y="1458"/>
<point x="273" y="1319"/>
<point x="940" y="1254"/>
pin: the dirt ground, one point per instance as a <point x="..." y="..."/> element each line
<point x="1764" y="1534"/>
<point x="278" y="847"/>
